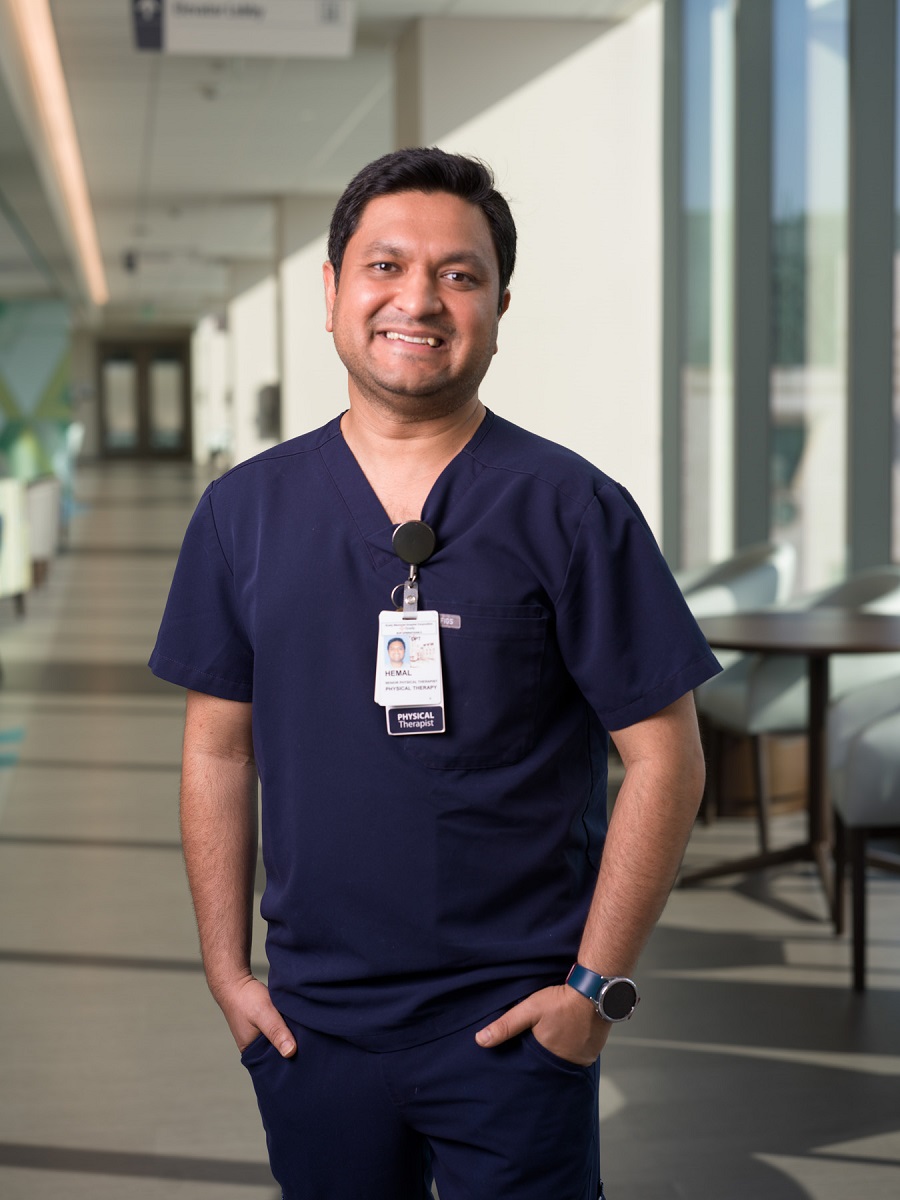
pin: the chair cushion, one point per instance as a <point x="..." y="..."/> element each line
<point x="866" y="788"/>
<point x="770" y="693"/>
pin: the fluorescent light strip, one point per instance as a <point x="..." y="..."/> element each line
<point x="39" y="48"/>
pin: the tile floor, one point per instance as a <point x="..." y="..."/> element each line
<point x="750" y="1070"/>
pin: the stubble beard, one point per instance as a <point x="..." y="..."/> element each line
<point x="409" y="407"/>
<point x="410" y="404"/>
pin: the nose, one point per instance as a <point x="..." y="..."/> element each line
<point x="418" y="294"/>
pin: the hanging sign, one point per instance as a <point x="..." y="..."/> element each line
<point x="239" y="28"/>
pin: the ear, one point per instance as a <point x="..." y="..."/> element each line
<point x="330" y="294"/>
<point x="504" y="305"/>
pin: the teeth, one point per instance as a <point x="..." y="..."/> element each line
<point x="419" y="341"/>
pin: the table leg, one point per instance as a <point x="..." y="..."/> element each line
<point x="817" y="781"/>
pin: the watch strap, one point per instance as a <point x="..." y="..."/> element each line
<point x="589" y="983"/>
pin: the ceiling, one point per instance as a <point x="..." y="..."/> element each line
<point x="33" y="260"/>
<point x="185" y="157"/>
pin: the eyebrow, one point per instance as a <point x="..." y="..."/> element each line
<point x="383" y="249"/>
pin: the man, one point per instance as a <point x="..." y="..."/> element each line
<point x="396" y="649"/>
<point x="428" y="892"/>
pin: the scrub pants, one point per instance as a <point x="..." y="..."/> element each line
<point x="509" y="1123"/>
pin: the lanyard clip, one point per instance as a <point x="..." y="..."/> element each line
<point x="411" y="593"/>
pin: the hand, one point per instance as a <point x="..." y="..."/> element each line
<point x="563" y="1022"/>
<point x="249" y="1012"/>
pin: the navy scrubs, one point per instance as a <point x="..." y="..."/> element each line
<point x="417" y="883"/>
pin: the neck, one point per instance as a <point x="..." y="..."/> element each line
<point x="382" y="430"/>
<point x="402" y="459"/>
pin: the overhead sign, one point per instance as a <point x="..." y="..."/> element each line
<point x="238" y="28"/>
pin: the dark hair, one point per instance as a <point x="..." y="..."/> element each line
<point x="425" y="169"/>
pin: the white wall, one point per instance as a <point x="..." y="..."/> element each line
<point x="254" y="360"/>
<point x="449" y="71"/>
<point x="578" y="152"/>
<point x="211" y="400"/>
<point x="314" y="383"/>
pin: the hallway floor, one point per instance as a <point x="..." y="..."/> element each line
<point x="750" y="1069"/>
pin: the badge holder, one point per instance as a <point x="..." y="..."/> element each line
<point x="408" y="681"/>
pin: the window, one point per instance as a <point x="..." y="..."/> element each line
<point x="707" y="394"/>
<point x="809" y="284"/>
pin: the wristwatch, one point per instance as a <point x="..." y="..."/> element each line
<point x="614" y="997"/>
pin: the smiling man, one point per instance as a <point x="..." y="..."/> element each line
<point x="451" y="925"/>
<point x="416" y="320"/>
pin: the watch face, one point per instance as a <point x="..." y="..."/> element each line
<point x="618" y="1000"/>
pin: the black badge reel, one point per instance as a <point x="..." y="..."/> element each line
<point x="413" y="543"/>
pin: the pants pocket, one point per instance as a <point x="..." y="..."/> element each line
<point x="255" y="1052"/>
<point x="562" y="1064"/>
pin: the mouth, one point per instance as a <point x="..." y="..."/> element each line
<point x="412" y="340"/>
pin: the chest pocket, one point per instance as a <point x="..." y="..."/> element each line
<point x="492" y="668"/>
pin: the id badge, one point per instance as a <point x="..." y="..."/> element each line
<point x="408" y="680"/>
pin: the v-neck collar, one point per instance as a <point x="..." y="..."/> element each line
<point x="367" y="511"/>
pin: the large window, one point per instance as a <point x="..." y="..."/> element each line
<point x="895" y="480"/>
<point x="809" y="281"/>
<point x="769" y="277"/>
<point x="707" y="240"/>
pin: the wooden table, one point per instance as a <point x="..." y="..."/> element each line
<point x="817" y="634"/>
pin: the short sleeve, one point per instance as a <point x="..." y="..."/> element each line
<point x="202" y="644"/>
<point x="625" y="632"/>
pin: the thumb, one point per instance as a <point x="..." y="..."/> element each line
<point x="273" y="1026"/>
<point x="519" y="1018"/>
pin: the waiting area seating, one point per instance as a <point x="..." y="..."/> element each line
<point x="31" y="524"/>
<point x="760" y="695"/>
<point x="864" y="777"/>
<point x="44" y="506"/>
<point x="753" y="578"/>
<point x="764" y="695"/>
<point x="15" y="550"/>
<point x="36" y="503"/>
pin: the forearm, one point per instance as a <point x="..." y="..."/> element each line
<point x="219" y="832"/>
<point x="648" y="832"/>
<point x="219" y="836"/>
<point x="651" y="823"/>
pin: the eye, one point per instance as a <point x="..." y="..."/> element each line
<point x="384" y="266"/>
<point x="460" y="277"/>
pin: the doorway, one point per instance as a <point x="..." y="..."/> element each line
<point x="144" y="390"/>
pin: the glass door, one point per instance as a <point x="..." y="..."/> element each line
<point x="145" y="399"/>
<point x="119" y="388"/>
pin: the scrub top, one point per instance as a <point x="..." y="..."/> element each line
<point x="415" y="883"/>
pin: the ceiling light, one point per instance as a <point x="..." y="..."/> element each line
<point x="37" y="39"/>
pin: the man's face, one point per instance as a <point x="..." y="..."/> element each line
<point x="396" y="650"/>
<point x="415" y="315"/>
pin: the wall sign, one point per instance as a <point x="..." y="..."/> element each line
<point x="238" y="28"/>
